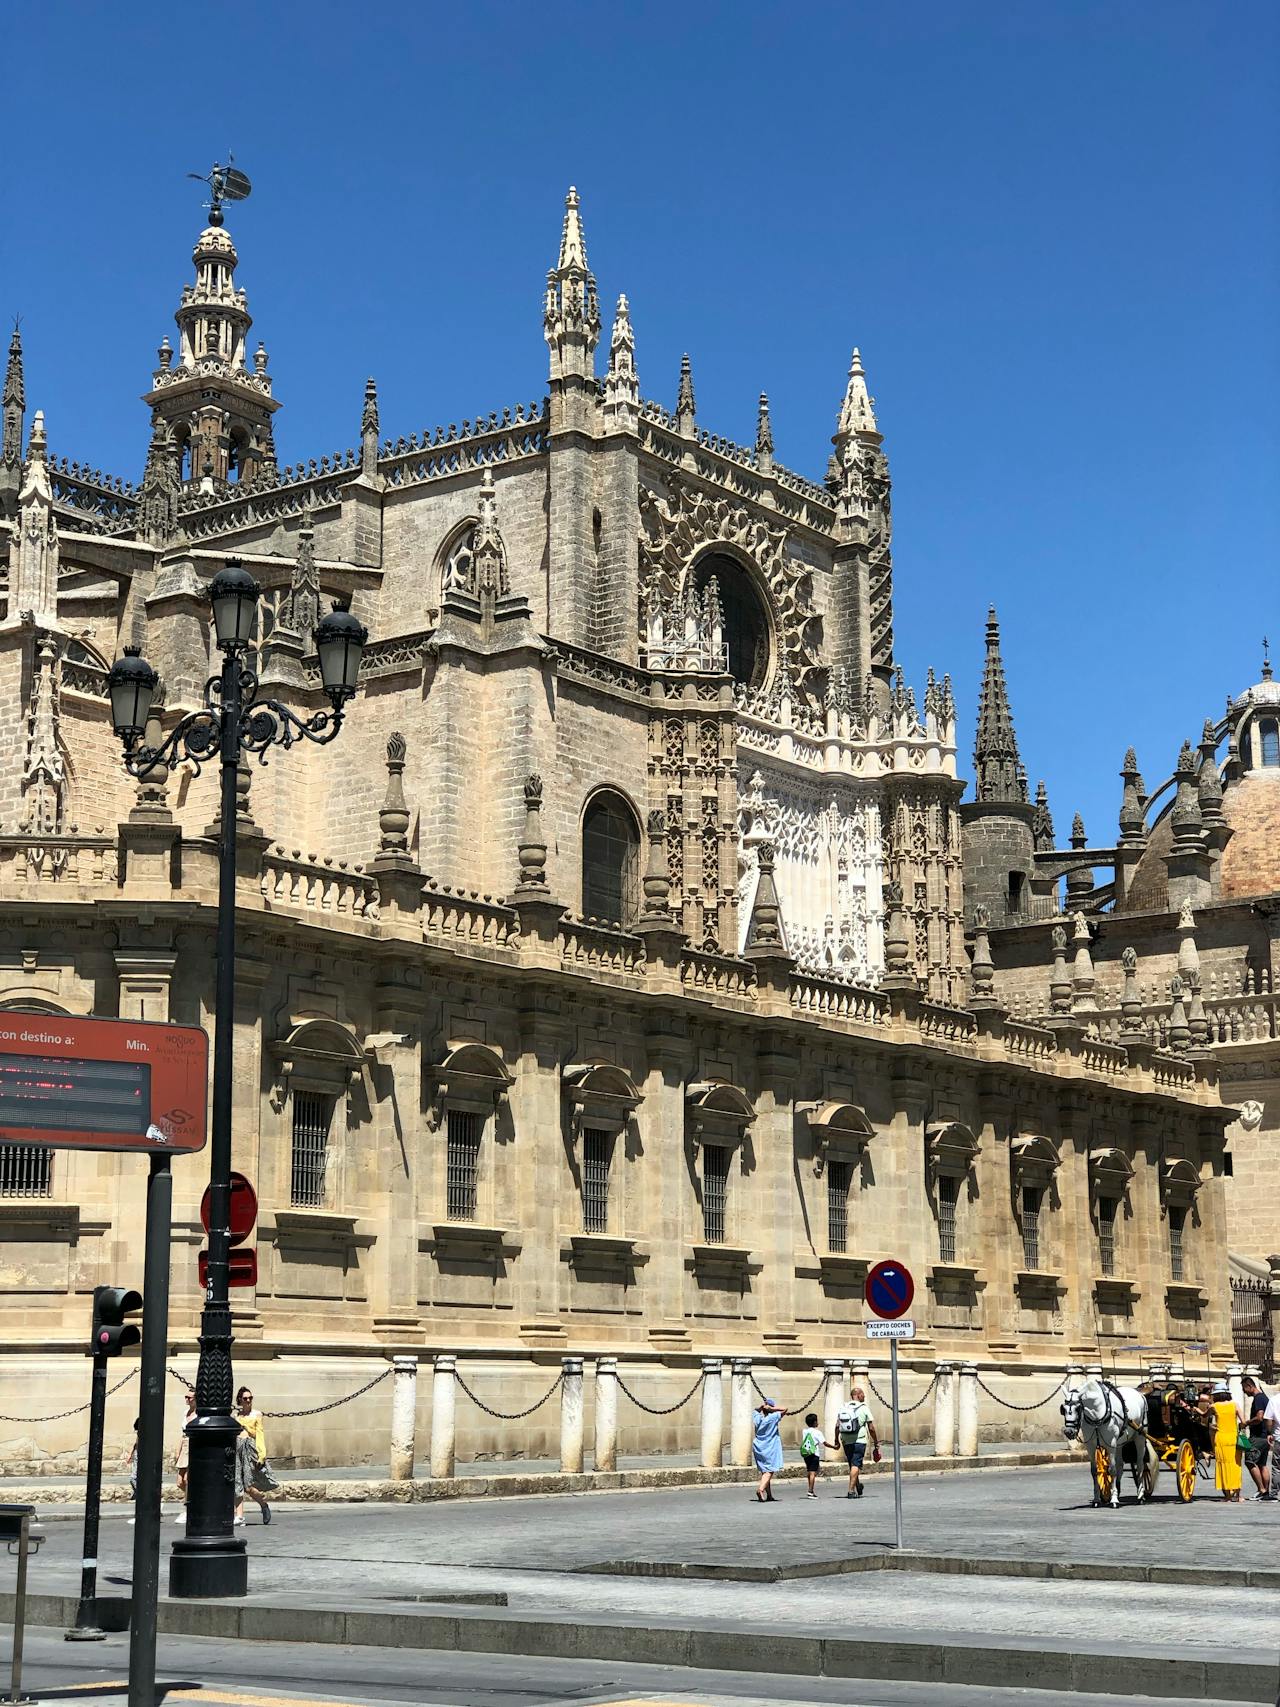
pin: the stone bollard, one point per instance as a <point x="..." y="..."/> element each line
<point x="404" y="1417"/>
<point x="740" y="1408"/>
<point x="860" y="1376"/>
<point x="571" y="1424"/>
<point x="835" y="1392"/>
<point x="606" y="1448"/>
<point x="944" y="1412"/>
<point x="1235" y="1378"/>
<point x="712" y="1414"/>
<point x="967" y="1412"/>
<point x="444" y="1389"/>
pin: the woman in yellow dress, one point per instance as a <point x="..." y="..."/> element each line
<point x="1226" y="1452"/>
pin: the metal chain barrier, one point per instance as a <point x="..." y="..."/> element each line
<point x="903" y="1410"/>
<point x="660" y="1410"/>
<point x="799" y="1408"/>
<point x="1010" y="1406"/>
<point x="508" y="1416"/>
<point x="59" y="1415"/>
<point x="315" y="1410"/>
<point x="179" y="1376"/>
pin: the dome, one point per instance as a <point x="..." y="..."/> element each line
<point x="214" y="244"/>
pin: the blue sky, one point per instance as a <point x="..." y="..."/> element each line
<point x="1050" y="226"/>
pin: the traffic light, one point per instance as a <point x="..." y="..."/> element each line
<point x="111" y="1333"/>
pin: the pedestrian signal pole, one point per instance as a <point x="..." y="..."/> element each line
<point x="146" y="1532"/>
<point x="110" y="1335"/>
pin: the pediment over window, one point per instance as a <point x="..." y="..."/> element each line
<point x="951" y="1149"/>
<point x="1110" y="1171"/>
<point x="1035" y="1159"/>
<point x="320" y="1042"/>
<point x="471" y="1076"/>
<point x="840" y="1131"/>
<point x="601" y="1096"/>
<point x="719" y="1113"/>
<point x="1179" y="1181"/>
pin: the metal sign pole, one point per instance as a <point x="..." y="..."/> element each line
<point x="19" y="1611"/>
<point x="86" y="1628"/>
<point x="897" y="1446"/>
<point x="155" y="1340"/>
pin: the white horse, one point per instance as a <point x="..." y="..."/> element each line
<point x="1108" y="1418"/>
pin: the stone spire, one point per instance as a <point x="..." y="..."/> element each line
<point x="44" y="773"/>
<point x="571" y="318"/>
<point x="765" y="928"/>
<point x="1185" y="818"/>
<point x="33" y="557"/>
<point x="369" y="428"/>
<point x="1079" y="835"/>
<point x="998" y="773"/>
<point x="764" y="437"/>
<point x="1133" y="828"/>
<point x="301" y="610"/>
<point x="1084" y="983"/>
<point x="15" y="404"/>
<point x="1042" y="823"/>
<point x="857" y="412"/>
<point x="686" y="409"/>
<point x="158" y="508"/>
<point x="489" y="554"/>
<point x="217" y="404"/>
<point x="621" y="386"/>
<point x="1209" y="781"/>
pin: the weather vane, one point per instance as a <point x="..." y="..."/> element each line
<point x="226" y="184"/>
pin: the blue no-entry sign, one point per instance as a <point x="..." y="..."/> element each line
<point x="889" y="1290"/>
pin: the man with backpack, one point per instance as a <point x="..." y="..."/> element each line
<point x="854" y="1428"/>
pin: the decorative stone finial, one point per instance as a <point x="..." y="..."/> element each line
<point x="393" y="819"/>
<point x="899" y="973"/>
<point x="765" y="929"/>
<point x="764" y="437"/>
<point x="1185" y="818"/>
<point x="533" y="848"/>
<point x="982" y="972"/>
<point x="1078" y="837"/>
<point x="621" y="386"/>
<point x="657" y="877"/>
<point x="1130" y="1002"/>
<point x="1133" y="828"/>
<point x="1084" y="984"/>
<point x="1179" y="1027"/>
<point x="686" y="409"/>
<point x="1059" y="979"/>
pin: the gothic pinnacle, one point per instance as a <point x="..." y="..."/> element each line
<point x="573" y="245"/>
<point x="15" y="402"/>
<point x="14" y="388"/>
<point x="998" y="773"/>
<point x="764" y="431"/>
<point x="621" y="387"/>
<point x="857" y="412"/>
<point x="369" y="414"/>
<point x="686" y="409"/>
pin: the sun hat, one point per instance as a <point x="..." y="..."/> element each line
<point x="1222" y="1391"/>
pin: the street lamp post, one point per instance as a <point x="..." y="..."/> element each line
<point x="210" y="1560"/>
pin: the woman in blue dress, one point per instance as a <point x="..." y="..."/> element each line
<point x="766" y="1445"/>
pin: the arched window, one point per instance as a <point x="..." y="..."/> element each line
<point x="610" y="860"/>
<point x="456" y="562"/>
<point x="746" y="622"/>
<point x="1269" y="741"/>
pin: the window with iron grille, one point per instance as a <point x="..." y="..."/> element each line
<point x="462" y="1164"/>
<point x="1177" y="1225"/>
<point x="715" y="1191"/>
<point x="596" y="1146"/>
<point x="948" y="1197"/>
<point x="838" y="1175"/>
<point x="1107" y="1234"/>
<point x="312" y="1118"/>
<point x="25" y="1170"/>
<point x="1032" y="1198"/>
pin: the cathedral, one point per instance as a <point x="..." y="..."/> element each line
<point x="603" y="988"/>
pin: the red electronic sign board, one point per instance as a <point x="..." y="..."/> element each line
<point x="102" y="1084"/>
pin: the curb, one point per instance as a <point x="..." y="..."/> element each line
<point x="426" y="1489"/>
<point x="745" y="1650"/>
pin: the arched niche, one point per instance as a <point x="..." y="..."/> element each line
<point x="1034" y="1159"/>
<point x="601" y="1096"/>
<point x="1110" y="1173"/>
<point x="840" y="1132"/>
<point x="1179" y="1182"/>
<point x="951" y="1149"/>
<point x="747" y="623"/>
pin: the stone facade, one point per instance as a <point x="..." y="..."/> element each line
<point x="1170" y="935"/>
<point x="603" y="985"/>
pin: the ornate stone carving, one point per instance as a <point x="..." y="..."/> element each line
<point x="44" y="776"/>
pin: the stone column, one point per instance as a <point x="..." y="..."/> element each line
<point x="404" y="1412"/>
<point x="967" y="1412"/>
<point x="443" y="1400"/>
<point x="835" y="1373"/>
<point x="860" y="1375"/>
<point x="606" y="1447"/>
<point x="712" y="1414"/>
<point x="944" y="1412"/>
<point x="571" y="1417"/>
<point x="740" y="1429"/>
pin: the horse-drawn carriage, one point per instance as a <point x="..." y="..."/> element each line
<point x="1122" y="1427"/>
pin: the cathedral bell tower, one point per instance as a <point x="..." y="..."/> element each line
<point x="217" y="408"/>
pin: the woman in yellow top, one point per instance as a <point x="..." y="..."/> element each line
<point x="1226" y="1452"/>
<point x="253" y="1475"/>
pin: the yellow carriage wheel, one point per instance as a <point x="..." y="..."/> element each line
<point x="1186" y="1471"/>
<point x="1102" y="1473"/>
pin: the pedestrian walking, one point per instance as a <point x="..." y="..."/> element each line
<point x="1257" y="1458"/>
<point x="813" y="1443"/>
<point x="253" y="1472"/>
<point x="855" y="1430"/>
<point x="766" y="1445"/>
<point x="1226" y="1444"/>
<point x="182" y="1457"/>
<point x="131" y="1465"/>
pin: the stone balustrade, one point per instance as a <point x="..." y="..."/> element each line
<point x="592" y="946"/>
<point x="315" y="885"/>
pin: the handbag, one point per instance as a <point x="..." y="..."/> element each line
<point x="1243" y="1441"/>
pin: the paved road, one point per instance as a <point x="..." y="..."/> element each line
<point x="282" y="1675"/>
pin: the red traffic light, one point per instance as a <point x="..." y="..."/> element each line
<point x="242" y="1268"/>
<point x="111" y="1333"/>
<point x="243" y="1211"/>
